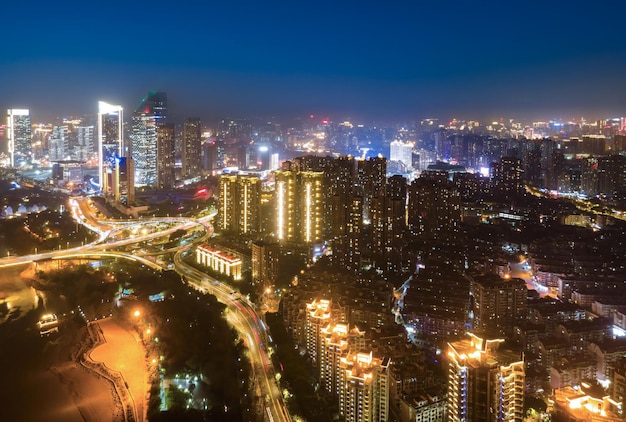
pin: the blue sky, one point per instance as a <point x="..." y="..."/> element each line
<point x="404" y="59"/>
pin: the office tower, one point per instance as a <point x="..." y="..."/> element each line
<point x="143" y="147"/>
<point x="506" y="177"/>
<point x="337" y="340"/>
<point x="19" y="131"/>
<point x="84" y="147"/>
<point x="59" y="143"/>
<point x="434" y="208"/>
<point x="484" y="383"/>
<point x="300" y="201"/>
<point x="165" y="140"/>
<point x="364" y="388"/>
<point x="240" y="201"/>
<point x="192" y="143"/>
<point x="318" y="316"/>
<point x="402" y="152"/>
<point x="265" y="259"/>
<point x="499" y="304"/>
<point x="110" y="144"/>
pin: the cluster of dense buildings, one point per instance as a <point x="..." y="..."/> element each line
<point x="444" y="215"/>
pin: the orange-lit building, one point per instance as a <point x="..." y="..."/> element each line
<point x="219" y="261"/>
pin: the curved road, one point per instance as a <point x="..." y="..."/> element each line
<point x="241" y="315"/>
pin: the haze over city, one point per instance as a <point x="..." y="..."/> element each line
<point x="403" y="60"/>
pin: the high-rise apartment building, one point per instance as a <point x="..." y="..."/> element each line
<point x="612" y="175"/>
<point x="240" y="201"/>
<point x="300" y="200"/>
<point x="265" y="258"/>
<point x="110" y="144"/>
<point x="506" y="177"/>
<point x="19" y="135"/>
<point x="484" y="383"/>
<point x="371" y="179"/>
<point x="143" y="147"/>
<point x="318" y="316"/>
<point x="388" y="218"/>
<point x="434" y="207"/>
<point x="347" y="222"/>
<point x="364" y="388"/>
<point x="499" y="304"/>
<point x="192" y="144"/>
<point x="337" y="340"/>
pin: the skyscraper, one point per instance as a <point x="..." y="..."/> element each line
<point x="84" y="147"/>
<point x="192" y="140"/>
<point x="59" y="143"/>
<point x="240" y="197"/>
<point x="110" y="144"/>
<point x="484" y="383"/>
<point x="19" y="131"/>
<point x="165" y="155"/>
<point x="143" y="148"/>
<point x="299" y="205"/>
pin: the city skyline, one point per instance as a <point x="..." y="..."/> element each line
<point x="355" y="60"/>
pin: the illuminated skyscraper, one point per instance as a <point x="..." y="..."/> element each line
<point x="240" y="197"/>
<point x="19" y="131"/>
<point x="299" y="205"/>
<point x="484" y="383"/>
<point x="110" y="144"/>
<point x="143" y="147"/>
<point x="192" y="140"/>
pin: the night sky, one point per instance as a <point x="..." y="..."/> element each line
<point x="359" y="59"/>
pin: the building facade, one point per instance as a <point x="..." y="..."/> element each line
<point x="191" y="151"/>
<point x="19" y="135"/>
<point x="484" y="383"/>
<point x="110" y="144"/>
<point x="143" y="146"/>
